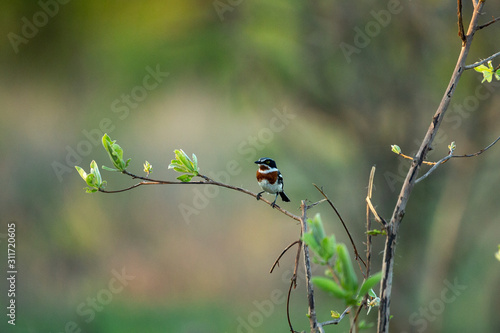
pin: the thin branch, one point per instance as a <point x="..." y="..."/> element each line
<point x="293" y="282"/>
<point x="480" y="151"/>
<point x="450" y="155"/>
<point x="369" y="222"/>
<point x="297" y="260"/>
<point x="488" y="23"/>
<point x="374" y="212"/>
<point x="316" y="203"/>
<point x="206" y="181"/>
<point x="356" y="253"/>
<point x="438" y="163"/>
<point x="479" y="63"/>
<point x="461" y="31"/>
<point x="411" y="158"/>
<point x="288" y="307"/>
<point x="354" y="324"/>
<point x="126" y="189"/>
<point x="336" y="320"/>
<point x="276" y="262"/>
<point x="307" y="267"/>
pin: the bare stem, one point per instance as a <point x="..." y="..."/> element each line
<point x="488" y="23"/>
<point x="206" y="181"/>
<point x="479" y="63"/>
<point x="480" y="151"/>
<point x="307" y="267"/>
<point x="368" y="222"/>
<point x="277" y="261"/>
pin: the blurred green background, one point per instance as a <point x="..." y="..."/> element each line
<point x="235" y="81"/>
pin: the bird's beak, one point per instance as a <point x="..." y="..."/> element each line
<point x="256" y="162"/>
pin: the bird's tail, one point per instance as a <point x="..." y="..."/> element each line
<point x="284" y="197"/>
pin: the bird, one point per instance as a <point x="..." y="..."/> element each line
<point x="270" y="179"/>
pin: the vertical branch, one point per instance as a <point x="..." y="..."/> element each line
<point x="399" y="210"/>
<point x="307" y="266"/>
<point x="369" y="224"/>
<point x="461" y="31"/>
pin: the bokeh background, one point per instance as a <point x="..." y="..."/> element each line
<point x="323" y="87"/>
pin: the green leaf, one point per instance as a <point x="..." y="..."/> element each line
<point x="94" y="169"/>
<point x="329" y="286"/>
<point x="148" y="168"/>
<point x="376" y="232"/>
<point x="363" y="325"/>
<point x="185" y="178"/>
<point x="327" y="248"/>
<point x="316" y="238"/>
<point x="183" y="164"/>
<point x="310" y="241"/>
<point x="109" y="169"/>
<point x="487" y="71"/>
<point x="185" y="160"/>
<point x="195" y="163"/>
<point x="396" y="149"/>
<point x="345" y="269"/>
<point x="177" y="166"/>
<point x="92" y="179"/>
<point x="335" y="314"/>
<point x="82" y="172"/>
<point x="369" y="284"/>
<point x="115" y="153"/>
<point x="316" y="225"/>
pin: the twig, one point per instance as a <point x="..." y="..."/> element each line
<point x="276" y="262"/>
<point x="374" y="212"/>
<point x="206" y="181"/>
<point x="316" y="203"/>
<point x="356" y="253"/>
<point x="479" y="63"/>
<point x="438" y="163"/>
<point x="461" y="32"/>
<point x="307" y="267"/>
<point x="288" y="306"/>
<point x="480" y="151"/>
<point x="488" y="23"/>
<point x="411" y="158"/>
<point x="369" y="222"/>
<point x="336" y="320"/>
<point x="293" y="282"/>
<point x="450" y="155"/>
<point x="354" y="324"/>
<point x="297" y="260"/>
<point x="399" y="210"/>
